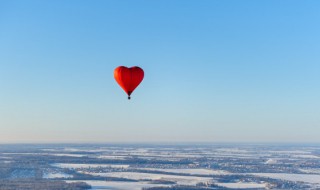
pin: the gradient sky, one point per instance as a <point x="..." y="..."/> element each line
<point x="215" y="71"/>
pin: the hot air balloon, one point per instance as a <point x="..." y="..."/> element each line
<point x="128" y="78"/>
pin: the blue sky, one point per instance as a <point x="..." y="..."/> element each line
<point x="215" y="71"/>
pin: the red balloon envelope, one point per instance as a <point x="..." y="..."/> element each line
<point x="128" y="78"/>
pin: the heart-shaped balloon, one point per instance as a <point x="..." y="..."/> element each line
<point x="128" y="78"/>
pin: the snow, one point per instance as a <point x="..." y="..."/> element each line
<point x="289" y="152"/>
<point x="181" y="180"/>
<point x="306" y="156"/>
<point x="56" y="175"/>
<point x="71" y="155"/>
<point x="24" y="153"/>
<point x="48" y="154"/>
<point x="308" y="178"/>
<point x="311" y="170"/>
<point x="233" y="150"/>
<point x="241" y="185"/>
<point x="5" y="157"/>
<point x="49" y="149"/>
<point x="271" y="161"/>
<point x="71" y="149"/>
<point x="117" y="185"/>
<point x="85" y="150"/>
<point x="112" y="157"/>
<point x="192" y="171"/>
<point x="77" y="166"/>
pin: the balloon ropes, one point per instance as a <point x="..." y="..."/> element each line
<point x="128" y="78"/>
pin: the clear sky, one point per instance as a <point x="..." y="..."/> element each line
<point x="215" y="71"/>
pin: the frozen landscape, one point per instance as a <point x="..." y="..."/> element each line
<point x="153" y="167"/>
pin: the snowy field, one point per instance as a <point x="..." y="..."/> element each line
<point x="181" y="180"/>
<point x="56" y="175"/>
<point x="77" y="166"/>
<point x="308" y="178"/>
<point x="241" y="185"/>
<point x="116" y="185"/>
<point x="133" y="167"/>
<point x="191" y="171"/>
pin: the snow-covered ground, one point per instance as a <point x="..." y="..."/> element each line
<point x="308" y="178"/>
<point x="5" y="157"/>
<point x="112" y="157"/>
<point x="311" y="170"/>
<point x="181" y="180"/>
<point x="6" y="161"/>
<point x="289" y="152"/>
<point x="198" y="171"/>
<point x="306" y="156"/>
<point x="117" y="185"/>
<point x="241" y="185"/>
<point x="271" y="161"/>
<point x="56" y="175"/>
<point x="71" y="155"/>
<point x="238" y="167"/>
<point x="47" y="154"/>
<point x="233" y="150"/>
<point x="77" y="166"/>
